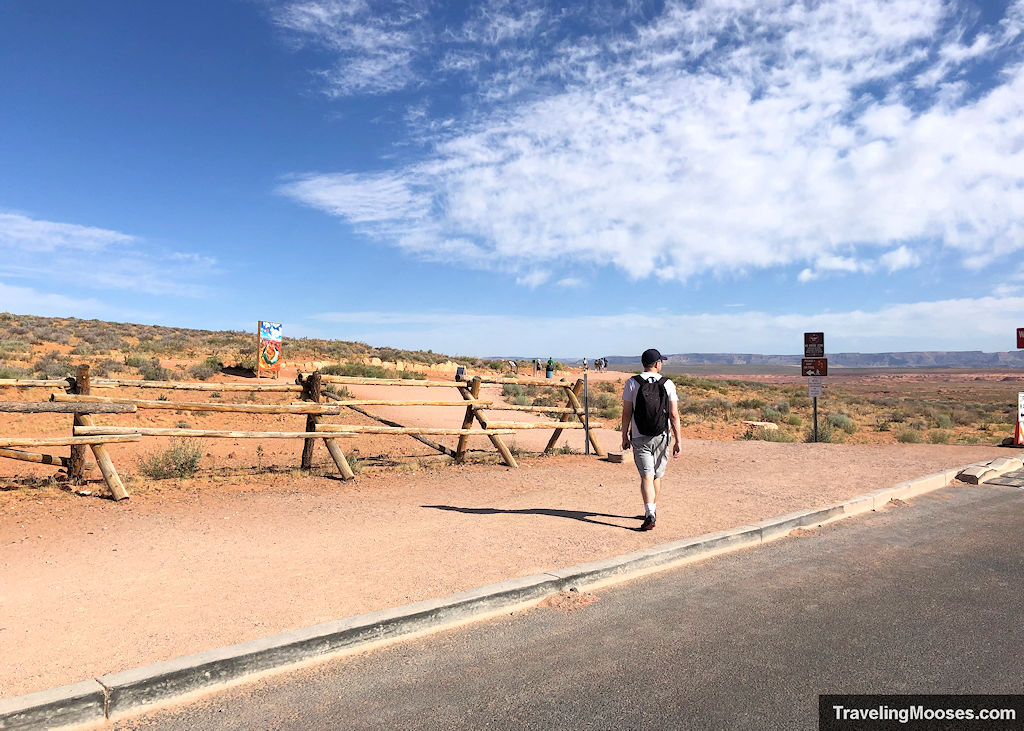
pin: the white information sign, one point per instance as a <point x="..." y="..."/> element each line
<point x="1020" y="408"/>
<point x="814" y="386"/>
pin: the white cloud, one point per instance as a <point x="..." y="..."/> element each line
<point x="47" y="304"/>
<point x="375" y="50"/>
<point x="900" y="258"/>
<point x="987" y="323"/>
<point x="96" y="258"/>
<point x="716" y="138"/>
<point x="534" y="278"/>
<point x="23" y="233"/>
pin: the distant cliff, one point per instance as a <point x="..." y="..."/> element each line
<point x="911" y="359"/>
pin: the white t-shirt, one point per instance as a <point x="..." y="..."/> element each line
<point x="631" y="387"/>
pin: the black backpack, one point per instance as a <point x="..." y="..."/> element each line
<point x="650" y="412"/>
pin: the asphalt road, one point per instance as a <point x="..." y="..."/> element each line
<point x="924" y="598"/>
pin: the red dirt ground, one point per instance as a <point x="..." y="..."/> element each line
<point x="91" y="586"/>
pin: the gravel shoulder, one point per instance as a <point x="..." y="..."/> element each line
<point x="91" y="586"/>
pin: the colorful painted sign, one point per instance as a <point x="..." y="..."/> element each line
<point x="269" y="356"/>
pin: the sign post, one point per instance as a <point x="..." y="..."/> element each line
<point x="1018" y="431"/>
<point x="586" y="414"/>
<point x="813" y="366"/>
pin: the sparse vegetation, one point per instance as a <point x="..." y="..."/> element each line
<point x="180" y="459"/>
<point x="909" y="436"/>
<point x="769" y="435"/>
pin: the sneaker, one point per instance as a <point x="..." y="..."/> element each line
<point x="648" y="523"/>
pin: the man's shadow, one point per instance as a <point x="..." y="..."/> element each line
<point x="581" y="515"/>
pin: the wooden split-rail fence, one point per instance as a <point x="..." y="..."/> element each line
<point x="77" y="398"/>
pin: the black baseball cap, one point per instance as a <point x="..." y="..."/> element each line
<point x="650" y="357"/>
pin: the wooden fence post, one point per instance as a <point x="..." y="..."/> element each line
<point x="99" y="451"/>
<point x="76" y="467"/>
<point x="473" y="413"/>
<point x="573" y="394"/>
<point x="312" y="391"/>
<point x="472" y="392"/>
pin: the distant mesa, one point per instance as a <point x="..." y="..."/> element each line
<point x="910" y="359"/>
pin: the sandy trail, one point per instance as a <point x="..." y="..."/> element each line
<point x="89" y="586"/>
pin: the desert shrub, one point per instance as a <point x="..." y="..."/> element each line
<point x="938" y="436"/>
<point x="965" y="417"/>
<point x="770" y="414"/>
<point x="885" y="426"/>
<point x="826" y="433"/>
<point x="520" y="400"/>
<point x="134" y="361"/>
<point x="898" y="416"/>
<point x="354" y="464"/>
<point x="799" y="402"/>
<point x="53" y="365"/>
<point x="363" y="370"/>
<point x="794" y="420"/>
<point x="513" y="390"/>
<point x="102" y="340"/>
<point x="944" y="421"/>
<point x="202" y="371"/>
<point x="710" y="407"/>
<point x="751" y="403"/>
<point x="769" y="435"/>
<point x="12" y="372"/>
<point x="607" y="406"/>
<point x="151" y="370"/>
<point x="842" y="421"/>
<point x="782" y="406"/>
<point x="9" y="348"/>
<point x="50" y="334"/>
<point x="82" y="349"/>
<point x="909" y="436"/>
<point x="335" y="390"/>
<point x="180" y="459"/>
<point x="107" y="366"/>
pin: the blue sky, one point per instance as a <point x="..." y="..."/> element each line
<point x="528" y="178"/>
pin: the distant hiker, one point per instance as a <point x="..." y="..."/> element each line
<point x="550" y="372"/>
<point x="648" y="410"/>
<point x="584" y="364"/>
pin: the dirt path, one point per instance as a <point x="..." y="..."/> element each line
<point x="89" y="586"/>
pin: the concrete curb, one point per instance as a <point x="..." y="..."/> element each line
<point x="119" y="694"/>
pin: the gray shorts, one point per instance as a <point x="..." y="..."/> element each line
<point x="651" y="453"/>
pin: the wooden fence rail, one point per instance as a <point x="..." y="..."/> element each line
<point x="73" y="396"/>
<point x="323" y="431"/>
<point x="295" y="408"/>
<point x="72" y="406"/>
<point x="79" y="438"/>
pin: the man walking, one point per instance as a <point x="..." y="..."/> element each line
<point x="648" y="410"/>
